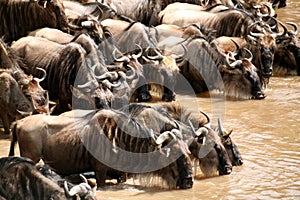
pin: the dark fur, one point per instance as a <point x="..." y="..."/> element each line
<point x="66" y="66"/>
<point x="123" y="132"/>
<point x="21" y="180"/>
<point x="20" y="17"/>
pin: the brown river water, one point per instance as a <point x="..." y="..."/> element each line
<point x="266" y="131"/>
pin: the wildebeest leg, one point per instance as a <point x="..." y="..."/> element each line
<point x="120" y="176"/>
<point x="32" y="152"/>
<point x="100" y="172"/>
<point x="169" y="95"/>
<point x="5" y="122"/>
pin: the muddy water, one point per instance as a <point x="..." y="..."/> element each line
<point x="267" y="133"/>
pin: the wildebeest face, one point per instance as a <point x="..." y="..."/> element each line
<point x="267" y="47"/>
<point x="38" y="96"/>
<point x="181" y="170"/>
<point x="12" y="98"/>
<point x="265" y="44"/>
<point x="56" y="7"/>
<point x="250" y="72"/>
<point x="230" y="146"/>
<point x="232" y="150"/>
<point x="185" y="180"/>
<point x="244" y="73"/>
<point x="211" y="154"/>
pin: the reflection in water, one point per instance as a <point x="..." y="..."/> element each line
<point x="267" y="133"/>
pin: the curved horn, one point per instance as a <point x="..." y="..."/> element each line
<point x="86" y="85"/>
<point x="256" y="35"/>
<point x="284" y="29"/>
<point x="202" y="131"/>
<point x="47" y="100"/>
<point x="110" y="85"/>
<point x="33" y="104"/>
<point x="67" y="189"/>
<point x="121" y="59"/>
<point x="131" y="76"/>
<point x="295" y="32"/>
<point x="234" y="64"/>
<point x="87" y="24"/>
<point x="164" y="136"/>
<point x="238" y="49"/>
<point x="81" y="189"/>
<point x="83" y="178"/>
<point x="182" y="56"/>
<point x="177" y="132"/>
<point x="111" y="75"/>
<point x="158" y="55"/>
<point x="250" y="53"/>
<point x="207" y="118"/>
<point x="23" y="113"/>
<point x="139" y="54"/>
<point x="44" y="76"/>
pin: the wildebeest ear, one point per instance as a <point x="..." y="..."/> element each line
<point x="227" y="134"/>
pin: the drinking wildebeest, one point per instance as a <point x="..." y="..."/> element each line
<point x="94" y="141"/>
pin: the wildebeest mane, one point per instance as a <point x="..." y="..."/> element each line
<point x="235" y="18"/>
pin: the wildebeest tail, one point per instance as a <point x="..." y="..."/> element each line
<point x="13" y="140"/>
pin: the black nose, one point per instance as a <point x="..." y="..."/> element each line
<point x="186" y="183"/>
<point x="225" y="171"/>
<point x="259" y="95"/>
<point x="240" y="162"/>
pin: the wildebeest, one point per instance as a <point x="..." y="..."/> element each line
<point x="29" y="85"/>
<point x="70" y="67"/>
<point x="286" y="58"/>
<point x="231" y="148"/>
<point x="81" y="141"/>
<point x="160" y="71"/>
<point x="14" y="105"/>
<point x="207" y="69"/>
<point x="19" y="17"/>
<point x="262" y="46"/>
<point x="19" y="179"/>
<point x="219" y="21"/>
<point x="205" y="147"/>
<point x="143" y="11"/>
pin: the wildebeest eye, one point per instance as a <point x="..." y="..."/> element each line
<point x="272" y="49"/>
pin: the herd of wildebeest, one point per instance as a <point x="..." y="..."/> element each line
<point x="75" y="76"/>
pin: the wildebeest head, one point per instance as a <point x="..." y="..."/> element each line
<point x="30" y="86"/>
<point x="240" y="78"/>
<point x="210" y="152"/>
<point x="138" y="83"/>
<point x="12" y="98"/>
<point x="56" y="9"/>
<point x="231" y="148"/>
<point x="181" y="170"/>
<point x="161" y="72"/>
<point x="265" y="44"/>
<point x="34" y="92"/>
